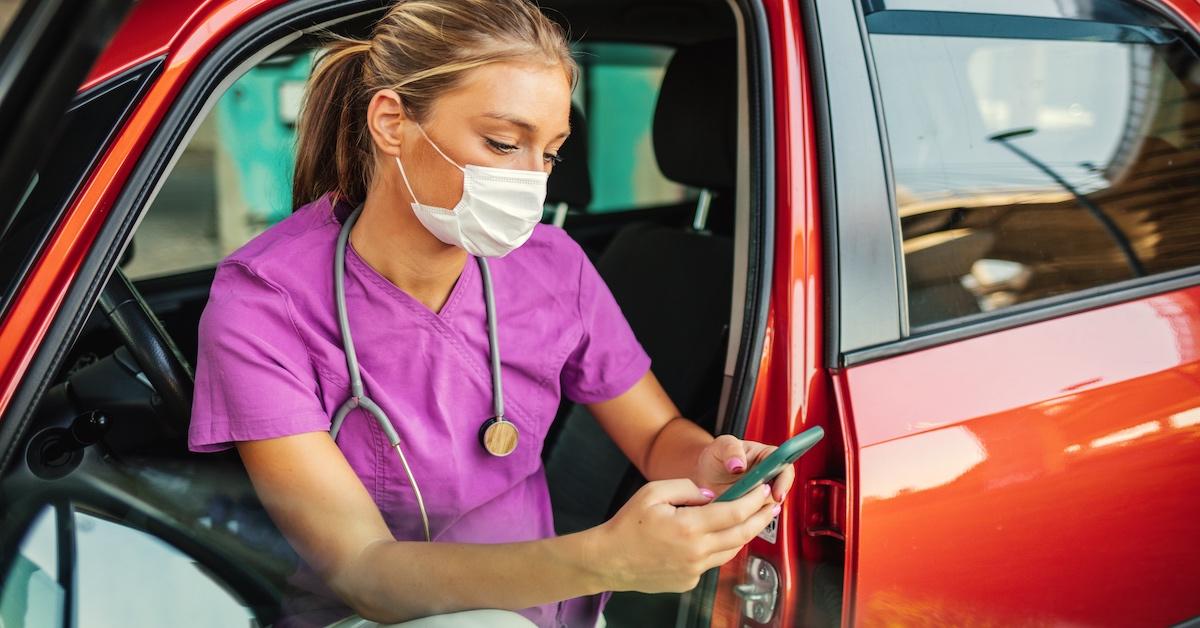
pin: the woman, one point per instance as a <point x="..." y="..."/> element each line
<point x="427" y="144"/>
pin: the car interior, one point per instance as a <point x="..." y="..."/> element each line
<point x="670" y="265"/>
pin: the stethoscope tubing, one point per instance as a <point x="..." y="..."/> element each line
<point x="358" y="397"/>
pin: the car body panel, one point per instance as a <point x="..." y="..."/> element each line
<point x="793" y="393"/>
<point x="1043" y="474"/>
<point x="1040" y="474"/>
<point x="142" y="36"/>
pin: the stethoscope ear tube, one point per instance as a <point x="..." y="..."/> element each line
<point x="497" y="435"/>
<point x="357" y="396"/>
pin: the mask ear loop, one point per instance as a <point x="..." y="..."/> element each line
<point x="435" y="147"/>
<point x="439" y="151"/>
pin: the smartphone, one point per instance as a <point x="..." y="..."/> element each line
<point x="773" y="464"/>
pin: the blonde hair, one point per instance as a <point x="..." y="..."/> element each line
<point x="420" y="49"/>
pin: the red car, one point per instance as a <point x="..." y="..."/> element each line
<point x="963" y="238"/>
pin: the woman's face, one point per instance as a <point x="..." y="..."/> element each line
<point x="509" y="114"/>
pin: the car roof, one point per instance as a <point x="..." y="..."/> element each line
<point x="156" y="27"/>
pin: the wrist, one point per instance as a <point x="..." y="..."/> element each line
<point x="600" y="568"/>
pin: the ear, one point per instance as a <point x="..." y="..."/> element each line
<point x="386" y="119"/>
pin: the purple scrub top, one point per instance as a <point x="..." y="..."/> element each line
<point x="270" y="364"/>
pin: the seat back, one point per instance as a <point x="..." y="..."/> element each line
<point x="674" y="286"/>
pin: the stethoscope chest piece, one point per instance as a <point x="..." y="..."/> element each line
<point x="498" y="436"/>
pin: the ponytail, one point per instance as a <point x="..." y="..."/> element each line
<point x="332" y="144"/>
<point x="420" y="49"/>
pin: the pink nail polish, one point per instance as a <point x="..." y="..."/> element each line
<point x="707" y="493"/>
<point x="735" y="465"/>
<point x="776" y="509"/>
<point x="765" y="489"/>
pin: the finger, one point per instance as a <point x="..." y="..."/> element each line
<point x="783" y="483"/>
<point x="740" y="534"/>
<point x="723" y="515"/>
<point x="730" y="452"/>
<point x="716" y="559"/>
<point x="678" y="492"/>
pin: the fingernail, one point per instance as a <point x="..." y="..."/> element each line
<point x="735" y="464"/>
<point x="776" y="509"/>
<point x="766" y="489"/>
<point x="707" y="493"/>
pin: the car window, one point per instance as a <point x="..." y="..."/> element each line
<point x="8" y="11"/>
<point x="1038" y="154"/>
<point x="617" y="94"/>
<point x="233" y="179"/>
<point x="88" y="127"/>
<point x="126" y="577"/>
<point x="105" y="573"/>
<point x="32" y="594"/>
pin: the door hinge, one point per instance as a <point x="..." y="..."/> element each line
<point x="825" y="508"/>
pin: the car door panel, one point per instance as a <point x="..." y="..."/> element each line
<point x="1043" y="474"/>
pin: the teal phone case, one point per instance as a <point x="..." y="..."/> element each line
<point x="765" y="471"/>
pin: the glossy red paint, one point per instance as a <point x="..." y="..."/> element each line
<point x="146" y="33"/>
<point x="1040" y="475"/>
<point x="1044" y="474"/>
<point x="792" y="393"/>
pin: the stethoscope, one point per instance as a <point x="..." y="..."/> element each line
<point x="497" y="435"/>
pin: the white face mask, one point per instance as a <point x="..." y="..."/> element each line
<point x="497" y="212"/>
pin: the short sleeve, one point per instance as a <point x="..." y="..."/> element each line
<point x="254" y="376"/>
<point x="608" y="360"/>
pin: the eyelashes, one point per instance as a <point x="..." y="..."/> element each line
<point x="506" y="149"/>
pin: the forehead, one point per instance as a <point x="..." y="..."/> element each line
<point x="533" y="90"/>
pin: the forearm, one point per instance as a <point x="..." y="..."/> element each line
<point x="674" y="451"/>
<point x="396" y="581"/>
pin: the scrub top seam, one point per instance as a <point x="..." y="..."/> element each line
<point x="444" y="328"/>
<point x="460" y="286"/>
<point x="288" y="307"/>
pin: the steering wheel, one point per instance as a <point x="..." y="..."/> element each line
<point x="161" y="360"/>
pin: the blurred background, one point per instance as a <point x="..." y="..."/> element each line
<point x="234" y="178"/>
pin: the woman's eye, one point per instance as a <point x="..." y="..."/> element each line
<point x="552" y="158"/>
<point x="500" y="146"/>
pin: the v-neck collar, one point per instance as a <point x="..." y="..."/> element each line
<point x="465" y="278"/>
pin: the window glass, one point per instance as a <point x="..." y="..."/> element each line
<point x="233" y="179"/>
<point x="32" y="595"/>
<point x="8" y="11"/>
<point x="618" y="98"/>
<point x="1036" y="156"/>
<point x="126" y="577"/>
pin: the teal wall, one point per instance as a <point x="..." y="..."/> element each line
<point x="618" y="93"/>
<point x="257" y="137"/>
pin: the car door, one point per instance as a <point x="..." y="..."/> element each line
<point x="91" y="553"/>
<point x="45" y="53"/>
<point x="55" y="136"/>
<point x="1018" y="308"/>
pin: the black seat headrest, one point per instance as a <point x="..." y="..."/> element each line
<point x="570" y="182"/>
<point x="695" y="120"/>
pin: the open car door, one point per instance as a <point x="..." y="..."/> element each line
<point x="45" y="53"/>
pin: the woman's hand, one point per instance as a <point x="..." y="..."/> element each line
<point x="668" y="534"/>
<point x="727" y="458"/>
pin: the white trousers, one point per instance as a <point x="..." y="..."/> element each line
<point x="479" y="618"/>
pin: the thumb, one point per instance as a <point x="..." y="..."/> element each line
<point x="730" y="453"/>
<point x="678" y="492"/>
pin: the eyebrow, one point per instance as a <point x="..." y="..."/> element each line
<point x="524" y="124"/>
